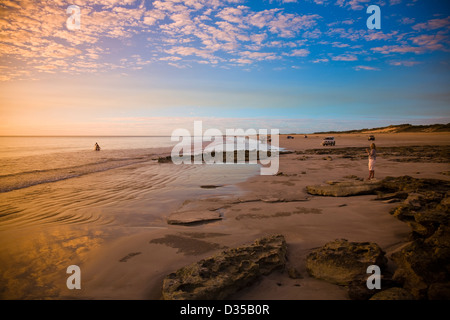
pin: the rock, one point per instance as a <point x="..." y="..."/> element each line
<point x="423" y="265"/>
<point x="410" y="184"/>
<point x="188" y="217"/>
<point x="431" y="219"/>
<point x="439" y="291"/>
<point x="398" y="187"/>
<point x="437" y="154"/>
<point x="340" y="261"/>
<point x="210" y="186"/>
<point x="236" y="156"/>
<point x="391" y="201"/>
<point x="418" y="229"/>
<point x="167" y="159"/>
<point x="424" y="262"/>
<point x="403" y="213"/>
<point x="353" y="177"/>
<point x="401" y="195"/>
<point x="345" y="188"/>
<point x="393" y="294"/>
<point x="414" y="199"/>
<point x="358" y="290"/>
<point x="272" y="200"/>
<point x="293" y="273"/>
<point x="426" y="206"/>
<point x="226" y="273"/>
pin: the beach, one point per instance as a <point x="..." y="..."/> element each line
<point x="112" y="223"/>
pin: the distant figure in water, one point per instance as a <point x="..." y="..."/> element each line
<point x="96" y="147"/>
<point x="372" y="159"/>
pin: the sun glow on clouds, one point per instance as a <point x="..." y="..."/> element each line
<point x="179" y="33"/>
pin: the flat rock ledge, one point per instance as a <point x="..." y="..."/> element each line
<point x="341" y="262"/>
<point x="224" y="274"/>
<point x="191" y="217"/>
<point x="345" y="188"/>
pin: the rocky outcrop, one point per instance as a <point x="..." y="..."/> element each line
<point x="221" y="275"/>
<point x="424" y="263"/>
<point x="436" y="154"/>
<point x="341" y="262"/>
<point x="237" y="156"/>
<point x="386" y="189"/>
<point x="358" y="289"/>
<point x="426" y="207"/>
<point x="439" y="291"/>
<point x="410" y="184"/>
<point x="345" y="188"/>
<point x="394" y="293"/>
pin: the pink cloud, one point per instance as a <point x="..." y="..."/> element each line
<point x="354" y="4"/>
<point x="404" y="63"/>
<point x="431" y="42"/>
<point x="379" y="35"/>
<point x="299" y="53"/>
<point x="398" y="49"/>
<point x="345" y="57"/>
<point x="433" y="24"/>
<point x="358" y="68"/>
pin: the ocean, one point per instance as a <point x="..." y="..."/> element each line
<point x="28" y="161"/>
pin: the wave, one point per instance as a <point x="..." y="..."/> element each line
<point x="15" y="181"/>
<point x="13" y="217"/>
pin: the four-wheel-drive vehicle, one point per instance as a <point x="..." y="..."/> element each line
<point x="328" y="141"/>
<point x="371" y="138"/>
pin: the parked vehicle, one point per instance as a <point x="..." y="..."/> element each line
<point x="328" y="141"/>
<point x="371" y="138"/>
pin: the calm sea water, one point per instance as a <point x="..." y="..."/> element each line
<point x="123" y="173"/>
<point x="27" y="161"/>
<point x="30" y="146"/>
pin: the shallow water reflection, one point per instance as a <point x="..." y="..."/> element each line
<point x="48" y="227"/>
<point x="34" y="262"/>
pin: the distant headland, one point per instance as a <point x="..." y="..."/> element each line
<point x="400" y="128"/>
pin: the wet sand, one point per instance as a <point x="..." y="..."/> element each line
<point x="128" y="258"/>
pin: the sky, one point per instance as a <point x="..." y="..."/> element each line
<point x="139" y="67"/>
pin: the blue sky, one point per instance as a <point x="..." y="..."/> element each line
<point x="147" y="67"/>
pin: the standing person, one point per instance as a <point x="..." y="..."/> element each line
<point x="372" y="159"/>
<point x="96" y="147"/>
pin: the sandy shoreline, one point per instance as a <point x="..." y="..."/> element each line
<point x="131" y="264"/>
<point x="306" y="221"/>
